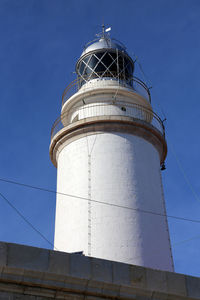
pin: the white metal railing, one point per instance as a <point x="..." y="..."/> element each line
<point x="136" y="86"/>
<point x="134" y="111"/>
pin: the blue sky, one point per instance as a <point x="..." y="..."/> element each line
<point x="41" y="41"/>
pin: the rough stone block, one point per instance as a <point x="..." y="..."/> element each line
<point x="3" y="254"/>
<point x="58" y="280"/>
<point x="68" y="296"/>
<point x="76" y="284"/>
<point x="59" y="262"/>
<point x="176" y="284"/>
<point x="13" y="274"/>
<point x="11" y="287"/>
<point x="111" y="290"/>
<point x="93" y="298"/>
<point x="121" y="273"/>
<point x="138" y="276"/>
<point x="10" y="296"/>
<point x="156" y="280"/>
<point x="127" y="292"/>
<point x="38" y="292"/>
<point x="161" y="296"/>
<point x="193" y="286"/>
<point x="95" y="287"/>
<point x="144" y="297"/>
<point x="39" y="298"/>
<point x="101" y="270"/>
<point x="25" y="297"/>
<point x="33" y="276"/>
<point x="21" y="256"/>
<point x="80" y="266"/>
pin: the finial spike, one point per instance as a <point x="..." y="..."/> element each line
<point x="103" y="30"/>
<point x="104" y="34"/>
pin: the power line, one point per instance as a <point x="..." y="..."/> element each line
<point x="42" y="236"/>
<point x="98" y="201"/>
<point x="196" y="196"/>
<point x="187" y="240"/>
<point x="25" y="219"/>
<point x="47" y="190"/>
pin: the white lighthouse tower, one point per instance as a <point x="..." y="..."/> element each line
<point x="108" y="146"/>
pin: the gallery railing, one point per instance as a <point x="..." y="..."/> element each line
<point x="135" y="112"/>
<point x="136" y="85"/>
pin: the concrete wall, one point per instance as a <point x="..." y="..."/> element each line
<point x="36" y="274"/>
<point x="119" y="169"/>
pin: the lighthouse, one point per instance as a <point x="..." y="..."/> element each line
<point x="108" y="146"/>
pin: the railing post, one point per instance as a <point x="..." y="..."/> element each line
<point x="77" y="84"/>
<point x="136" y="111"/>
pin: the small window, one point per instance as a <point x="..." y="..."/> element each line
<point x="75" y="119"/>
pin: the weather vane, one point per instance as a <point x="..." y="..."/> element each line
<point x="104" y="31"/>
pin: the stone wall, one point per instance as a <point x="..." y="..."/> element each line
<point x="34" y="273"/>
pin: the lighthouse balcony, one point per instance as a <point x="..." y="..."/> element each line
<point x="104" y="111"/>
<point x="107" y="105"/>
<point x="105" y="81"/>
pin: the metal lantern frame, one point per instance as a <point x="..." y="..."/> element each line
<point x="92" y="65"/>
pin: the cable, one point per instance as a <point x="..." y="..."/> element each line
<point x="100" y="202"/>
<point x="171" y="146"/>
<point x="185" y="241"/>
<point x="26" y="220"/>
<point x="41" y="235"/>
<point x="145" y="77"/>
<point x="38" y="232"/>
<point x="183" y="173"/>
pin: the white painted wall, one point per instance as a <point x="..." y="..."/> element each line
<point x="125" y="171"/>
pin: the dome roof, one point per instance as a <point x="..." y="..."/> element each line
<point x="104" y="43"/>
